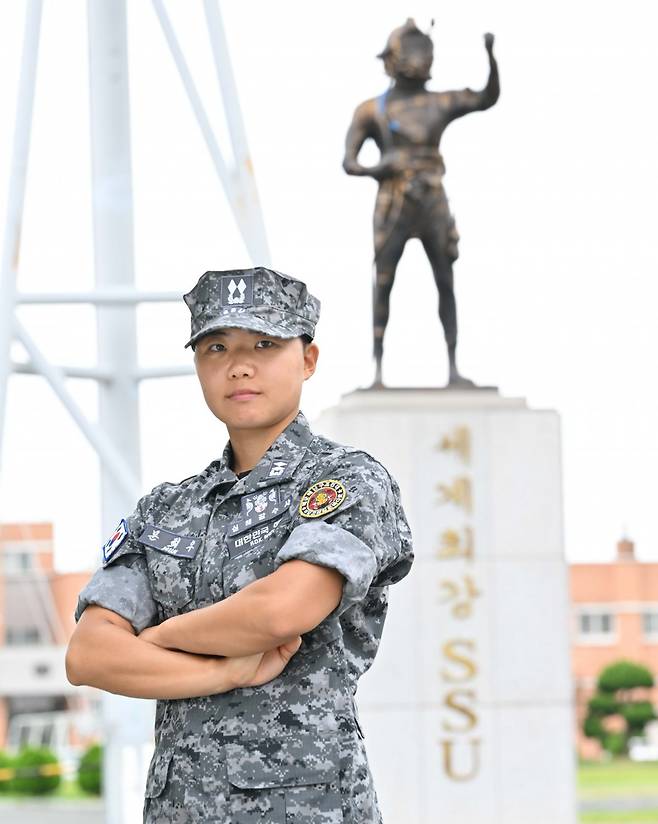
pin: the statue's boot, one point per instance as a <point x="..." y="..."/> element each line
<point x="455" y="379"/>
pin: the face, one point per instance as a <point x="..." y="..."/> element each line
<point x="413" y="60"/>
<point x="251" y="380"/>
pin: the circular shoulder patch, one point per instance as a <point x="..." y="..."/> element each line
<point x="322" y="497"/>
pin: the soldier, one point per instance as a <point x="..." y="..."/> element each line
<point x="250" y="598"/>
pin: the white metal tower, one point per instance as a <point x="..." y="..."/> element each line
<point x="115" y="437"/>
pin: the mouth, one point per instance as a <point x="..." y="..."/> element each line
<point x="243" y="395"/>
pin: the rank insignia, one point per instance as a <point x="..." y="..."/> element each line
<point x="321" y="498"/>
<point x="119" y="536"/>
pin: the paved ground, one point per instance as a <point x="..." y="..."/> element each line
<point x="622" y="804"/>
<point x="47" y="812"/>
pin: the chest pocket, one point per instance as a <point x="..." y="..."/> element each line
<point x="251" y="553"/>
<point x="172" y="580"/>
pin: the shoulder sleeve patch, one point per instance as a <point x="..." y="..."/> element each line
<point x="113" y="544"/>
<point x="321" y="498"/>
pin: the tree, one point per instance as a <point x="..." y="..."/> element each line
<point x="616" y="697"/>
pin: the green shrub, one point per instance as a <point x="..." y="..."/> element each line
<point x="624" y="675"/>
<point x="593" y="728"/>
<point x="615" y="743"/>
<point x="6" y="764"/>
<point x="603" y="704"/>
<point x="637" y="715"/>
<point x="37" y="771"/>
<point x="616" y="685"/>
<point x="90" y="770"/>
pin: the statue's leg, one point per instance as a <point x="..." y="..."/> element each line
<point x="386" y="261"/>
<point x="443" y="277"/>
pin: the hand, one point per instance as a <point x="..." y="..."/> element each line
<point x="255" y="670"/>
<point x="488" y="41"/>
<point x="391" y="164"/>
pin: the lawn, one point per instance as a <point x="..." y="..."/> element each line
<point x="634" y="817"/>
<point x="619" y="780"/>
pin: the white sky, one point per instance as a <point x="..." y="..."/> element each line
<point x="555" y="192"/>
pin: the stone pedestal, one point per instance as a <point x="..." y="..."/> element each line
<point x="467" y="710"/>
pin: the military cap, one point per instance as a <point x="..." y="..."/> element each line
<point x="260" y="299"/>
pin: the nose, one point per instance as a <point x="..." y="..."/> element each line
<point x="241" y="366"/>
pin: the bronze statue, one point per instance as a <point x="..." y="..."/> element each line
<point x="407" y="123"/>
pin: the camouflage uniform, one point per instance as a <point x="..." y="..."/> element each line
<point x="292" y="749"/>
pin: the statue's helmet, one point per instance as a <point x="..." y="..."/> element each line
<point x="409" y="53"/>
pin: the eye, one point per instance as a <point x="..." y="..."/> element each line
<point x="268" y="343"/>
<point x="212" y="346"/>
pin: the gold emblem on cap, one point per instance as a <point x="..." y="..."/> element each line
<point x="322" y="497"/>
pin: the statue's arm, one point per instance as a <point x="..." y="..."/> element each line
<point x="361" y="128"/>
<point x="465" y="101"/>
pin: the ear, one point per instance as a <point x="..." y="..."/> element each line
<point x="311" y="354"/>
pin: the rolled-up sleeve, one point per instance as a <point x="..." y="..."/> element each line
<point x="367" y="539"/>
<point x="123" y="587"/>
<point x="122" y="583"/>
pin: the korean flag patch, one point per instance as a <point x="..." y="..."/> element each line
<point x="119" y="536"/>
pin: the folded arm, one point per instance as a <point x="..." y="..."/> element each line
<point x="265" y="614"/>
<point x="105" y="652"/>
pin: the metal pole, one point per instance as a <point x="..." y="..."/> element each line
<point x="114" y="296"/>
<point x="113" y="462"/>
<point x="253" y="215"/>
<point x="126" y="720"/>
<point x="16" y="197"/>
<point x="233" y="193"/>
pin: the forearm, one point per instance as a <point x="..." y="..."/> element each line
<point x="242" y="624"/>
<point x="492" y="89"/>
<point x="269" y="612"/>
<point x="356" y="137"/>
<point x="114" y="660"/>
<point x="352" y="166"/>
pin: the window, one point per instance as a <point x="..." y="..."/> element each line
<point x="20" y="636"/>
<point x="596" y="626"/>
<point x="17" y="562"/>
<point x="650" y="624"/>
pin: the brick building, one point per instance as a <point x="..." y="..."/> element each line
<point x="36" y="622"/>
<point x="615" y="615"/>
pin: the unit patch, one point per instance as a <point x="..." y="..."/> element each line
<point x="180" y="546"/>
<point x="111" y="546"/>
<point x="258" y="508"/>
<point x="260" y="505"/>
<point x="321" y="498"/>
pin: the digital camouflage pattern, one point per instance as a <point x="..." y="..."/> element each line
<point x="260" y="299"/>
<point x="290" y="750"/>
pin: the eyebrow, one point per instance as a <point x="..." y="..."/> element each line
<point x="222" y="333"/>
